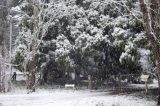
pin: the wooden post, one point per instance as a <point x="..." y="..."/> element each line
<point x="146" y="87"/>
<point x="145" y="79"/>
<point x="89" y="82"/>
<point x="120" y="84"/>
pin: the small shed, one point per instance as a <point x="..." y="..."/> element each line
<point x="20" y="76"/>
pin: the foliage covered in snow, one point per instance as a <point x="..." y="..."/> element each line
<point x="69" y="33"/>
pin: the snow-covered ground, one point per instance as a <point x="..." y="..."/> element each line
<point x="142" y="86"/>
<point x="70" y="98"/>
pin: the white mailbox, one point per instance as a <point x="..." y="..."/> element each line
<point x="144" y="77"/>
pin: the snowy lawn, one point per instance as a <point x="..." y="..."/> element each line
<point x="70" y="98"/>
<point x="142" y="86"/>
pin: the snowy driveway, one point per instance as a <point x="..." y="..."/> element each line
<point x="70" y="98"/>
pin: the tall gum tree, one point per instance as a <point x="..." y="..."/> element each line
<point x="151" y="20"/>
<point x="33" y="35"/>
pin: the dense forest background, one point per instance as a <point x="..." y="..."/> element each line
<point x="59" y="39"/>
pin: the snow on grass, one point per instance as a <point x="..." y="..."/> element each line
<point x="143" y="86"/>
<point x="70" y="98"/>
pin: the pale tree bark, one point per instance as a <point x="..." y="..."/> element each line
<point x="38" y="34"/>
<point x="31" y="63"/>
<point x="31" y="69"/>
<point x="151" y="19"/>
<point x="3" y="34"/>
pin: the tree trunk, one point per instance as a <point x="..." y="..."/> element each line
<point x="31" y="64"/>
<point x="3" y="35"/>
<point x="31" y="69"/>
<point x="151" y="25"/>
<point x="155" y="17"/>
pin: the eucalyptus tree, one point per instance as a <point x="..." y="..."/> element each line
<point x="151" y="17"/>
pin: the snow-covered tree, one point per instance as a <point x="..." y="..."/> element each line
<point x="34" y="26"/>
<point x="151" y="18"/>
<point x="82" y="35"/>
